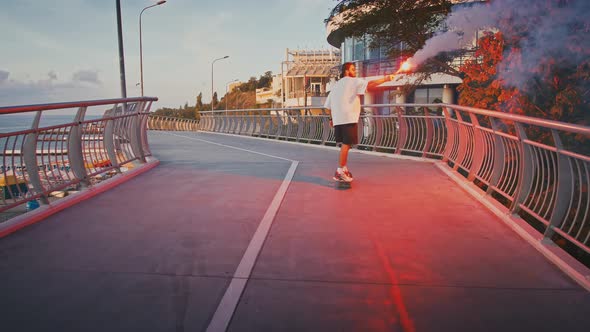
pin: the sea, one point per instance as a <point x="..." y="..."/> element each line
<point x="11" y="142"/>
<point x="17" y="122"/>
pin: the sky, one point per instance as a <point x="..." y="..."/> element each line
<point x="67" y="50"/>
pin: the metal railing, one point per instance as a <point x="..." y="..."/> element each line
<point x="58" y="149"/>
<point x="536" y="168"/>
<point x="156" y="122"/>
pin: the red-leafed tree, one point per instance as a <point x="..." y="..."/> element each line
<point x="556" y="90"/>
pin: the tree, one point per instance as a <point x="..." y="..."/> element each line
<point x="538" y="63"/>
<point x="199" y="104"/>
<point x="481" y="85"/>
<point x="401" y="27"/>
<point x="215" y="101"/>
<point x="265" y="80"/>
<point x="559" y="90"/>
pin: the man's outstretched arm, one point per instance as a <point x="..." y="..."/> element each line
<point x="375" y="83"/>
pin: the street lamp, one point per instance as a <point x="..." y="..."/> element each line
<point x="225" y="57"/>
<point x="161" y="2"/>
<point x="226" y="85"/>
<point x="121" y="52"/>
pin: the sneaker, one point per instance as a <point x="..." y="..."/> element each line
<point x="341" y="177"/>
<point x="347" y="172"/>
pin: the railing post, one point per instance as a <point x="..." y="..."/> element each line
<point x="245" y="130"/>
<point x="451" y="135"/>
<point x="403" y="130"/>
<point x="229" y="127"/>
<point x="144" y="137"/>
<point x="300" y="126"/>
<point x="244" y="123"/>
<point x="378" y="127"/>
<point x="525" y="176"/>
<point x="478" y="148"/>
<point x="232" y="124"/>
<point x="429" y="133"/>
<point x="29" y="155"/>
<point x="325" y="126"/>
<point x="109" y="138"/>
<point x="498" y="161"/>
<point x="223" y="123"/>
<point x="360" y="129"/>
<point x="263" y="126"/>
<point x="564" y="187"/>
<point x="135" y="132"/>
<point x="313" y="127"/>
<point x="462" y="150"/>
<point x="256" y="125"/>
<point x="75" y="155"/>
<point x="280" y="125"/>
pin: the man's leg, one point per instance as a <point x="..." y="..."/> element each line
<point x="343" y="155"/>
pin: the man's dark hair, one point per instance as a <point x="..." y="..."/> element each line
<point x="345" y="66"/>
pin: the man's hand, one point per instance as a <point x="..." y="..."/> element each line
<point x="331" y="123"/>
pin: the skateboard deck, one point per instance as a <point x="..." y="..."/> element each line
<point x="342" y="184"/>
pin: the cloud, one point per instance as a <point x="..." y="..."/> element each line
<point x="49" y="89"/>
<point x="87" y="76"/>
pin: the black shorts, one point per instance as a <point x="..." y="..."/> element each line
<point x="347" y="134"/>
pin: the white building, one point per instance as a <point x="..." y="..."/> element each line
<point x="305" y="74"/>
<point x="273" y="94"/>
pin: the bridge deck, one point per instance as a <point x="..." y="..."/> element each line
<point x="405" y="250"/>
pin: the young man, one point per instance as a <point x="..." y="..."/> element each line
<point x="344" y="104"/>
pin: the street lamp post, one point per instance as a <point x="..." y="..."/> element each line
<point x="212" y="63"/>
<point x="226" y="88"/>
<point x="161" y="2"/>
<point x="121" y="52"/>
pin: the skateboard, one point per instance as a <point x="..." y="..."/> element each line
<point x="342" y="184"/>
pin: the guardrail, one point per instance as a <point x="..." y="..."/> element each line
<point x="536" y="168"/>
<point x="44" y="156"/>
<point x="156" y="122"/>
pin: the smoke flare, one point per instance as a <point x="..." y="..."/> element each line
<point x="556" y="28"/>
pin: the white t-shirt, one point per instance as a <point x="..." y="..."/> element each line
<point x="344" y="101"/>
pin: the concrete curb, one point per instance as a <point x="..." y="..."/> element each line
<point x="45" y="211"/>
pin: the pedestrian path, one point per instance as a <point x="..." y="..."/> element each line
<point x="241" y="234"/>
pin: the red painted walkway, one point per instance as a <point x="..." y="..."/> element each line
<point x="405" y="249"/>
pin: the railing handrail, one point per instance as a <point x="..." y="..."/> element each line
<point x="48" y="161"/>
<point x="53" y="106"/>
<point x="265" y="109"/>
<point x="551" y="124"/>
<point x="171" y="117"/>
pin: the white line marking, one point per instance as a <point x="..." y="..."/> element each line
<point x="333" y="148"/>
<point x="229" y="302"/>
<point x="231" y="147"/>
<point x="230" y="299"/>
